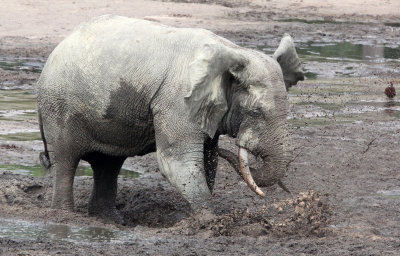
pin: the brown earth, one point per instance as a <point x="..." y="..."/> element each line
<point x="337" y="172"/>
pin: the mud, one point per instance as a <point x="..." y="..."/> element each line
<point x="343" y="176"/>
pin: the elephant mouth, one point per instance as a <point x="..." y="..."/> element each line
<point x="241" y="165"/>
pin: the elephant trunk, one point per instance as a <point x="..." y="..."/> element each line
<point x="272" y="146"/>
<point x="234" y="162"/>
<point x="275" y="155"/>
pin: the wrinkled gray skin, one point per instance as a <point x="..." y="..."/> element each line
<point x="120" y="87"/>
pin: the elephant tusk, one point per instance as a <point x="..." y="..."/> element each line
<point x="283" y="187"/>
<point x="244" y="169"/>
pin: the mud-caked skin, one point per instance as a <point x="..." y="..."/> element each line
<point x="119" y="87"/>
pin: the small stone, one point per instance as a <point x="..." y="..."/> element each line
<point x="298" y="209"/>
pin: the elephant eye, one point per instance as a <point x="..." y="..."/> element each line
<point x="255" y="111"/>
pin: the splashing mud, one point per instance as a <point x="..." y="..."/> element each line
<point x="306" y="214"/>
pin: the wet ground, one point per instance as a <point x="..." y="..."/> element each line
<point x="344" y="176"/>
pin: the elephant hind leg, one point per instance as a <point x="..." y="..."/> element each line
<point x="64" y="171"/>
<point x="105" y="174"/>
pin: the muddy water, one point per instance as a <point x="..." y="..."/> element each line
<point x="391" y="194"/>
<point x="22" y="64"/>
<point x="341" y="100"/>
<point x="343" y="59"/>
<point x="341" y="84"/>
<point x="34" y="231"/>
<point x="17" y="115"/>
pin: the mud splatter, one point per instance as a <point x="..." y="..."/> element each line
<point x="306" y="214"/>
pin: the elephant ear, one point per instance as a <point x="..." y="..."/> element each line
<point x="209" y="76"/>
<point x="287" y="58"/>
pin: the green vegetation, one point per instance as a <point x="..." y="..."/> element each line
<point x="17" y="100"/>
<point x="38" y="170"/>
<point x="392" y="24"/>
<point x="396" y="197"/>
<point x="338" y="50"/>
<point x="23" y="136"/>
<point x="129" y="174"/>
<point x="317" y="21"/>
<point x="310" y="75"/>
<point x="34" y="170"/>
<point x="321" y="51"/>
<point x="391" y="53"/>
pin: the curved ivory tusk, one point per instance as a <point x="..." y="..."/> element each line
<point x="244" y="169"/>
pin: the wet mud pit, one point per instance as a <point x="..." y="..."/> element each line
<point x="344" y="176"/>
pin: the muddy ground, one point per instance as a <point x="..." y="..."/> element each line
<point x="344" y="178"/>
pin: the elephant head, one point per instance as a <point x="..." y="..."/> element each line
<point x="241" y="92"/>
<point x="287" y="58"/>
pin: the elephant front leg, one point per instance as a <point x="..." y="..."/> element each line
<point x="186" y="173"/>
<point x="180" y="155"/>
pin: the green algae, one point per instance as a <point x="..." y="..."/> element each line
<point x="38" y="170"/>
<point x="23" y="136"/>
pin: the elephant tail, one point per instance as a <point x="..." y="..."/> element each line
<point x="43" y="156"/>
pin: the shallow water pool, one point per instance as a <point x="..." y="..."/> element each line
<point x="37" y="231"/>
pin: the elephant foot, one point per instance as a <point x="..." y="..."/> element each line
<point x="204" y="214"/>
<point x="66" y="205"/>
<point x="109" y="215"/>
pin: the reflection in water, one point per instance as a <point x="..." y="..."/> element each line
<point x="391" y="103"/>
<point x="346" y="59"/>
<point x="57" y="231"/>
<point x="348" y="50"/>
<point x="388" y="107"/>
<point x="25" y="230"/>
<point x="65" y="232"/>
<point x="372" y="52"/>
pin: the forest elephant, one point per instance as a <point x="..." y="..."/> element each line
<point x="119" y="87"/>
